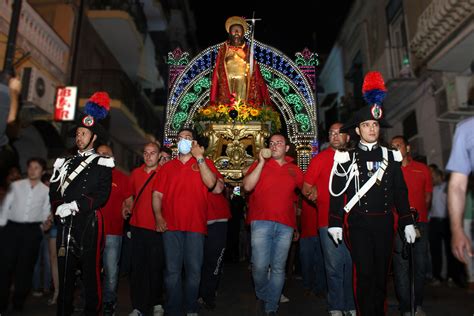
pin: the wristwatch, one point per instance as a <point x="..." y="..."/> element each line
<point x="200" y="161"/>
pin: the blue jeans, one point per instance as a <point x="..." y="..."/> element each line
<point x="312" y="264"/>
<point x="182" y="248"/>
<point x="42" y="275"/>
<point x="110" y="259"/>
<point x="270" y="244"/>
<point x="401" y="269"/>
<point x="338" y="263"/>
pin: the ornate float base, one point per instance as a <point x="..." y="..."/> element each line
<point x="233" y="147"/>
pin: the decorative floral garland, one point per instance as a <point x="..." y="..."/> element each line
<point x="241" y="112"/>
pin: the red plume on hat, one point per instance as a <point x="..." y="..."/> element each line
<point x="98" y="105"/>
<point x="373" y="89"/>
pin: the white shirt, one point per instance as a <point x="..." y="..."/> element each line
<point x="26" y="204"/>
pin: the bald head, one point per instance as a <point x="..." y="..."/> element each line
<point x="337" y="139"/>
<point x="105" y="150"/>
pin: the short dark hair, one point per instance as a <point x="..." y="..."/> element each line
<point x="38" y="160"/>
<point x="167" y="150"/>
<point x="403" y="138"/>
<point x="192" y="131"/>
<point x="287" y="141"/>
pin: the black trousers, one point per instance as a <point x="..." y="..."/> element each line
<point x="146" y="277"/>
<point x="214" y="249"/>
<point x="19" y="246"/>
<point x="371" y="244"/>
<point x="84" y="254"/>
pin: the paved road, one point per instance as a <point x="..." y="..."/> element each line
<point x="236" y="298"/>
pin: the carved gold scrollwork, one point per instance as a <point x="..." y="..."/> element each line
<point x="233" y="147"/>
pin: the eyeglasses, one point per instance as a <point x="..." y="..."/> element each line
<point x="165" y="158"/>
<point x="277" y="143"/>
<point x="334" y="134"/>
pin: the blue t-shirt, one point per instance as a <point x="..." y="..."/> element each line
<point x="4" y="110"/>
<point x="461" y="159"/>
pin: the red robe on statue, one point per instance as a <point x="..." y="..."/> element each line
<point x="257" y="91"/>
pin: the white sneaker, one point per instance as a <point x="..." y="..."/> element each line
<point x="284" y="299"/>
<point x="351" y="313"/>
<point x="335" y="313"/>
<point x="158" y="310"/>
<point x="135" y="312"/>
<point x="192" y="314"/>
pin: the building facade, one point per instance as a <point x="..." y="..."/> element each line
<point x="424" y="51"/>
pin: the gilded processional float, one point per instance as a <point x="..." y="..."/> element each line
<point x="237" y="94"/>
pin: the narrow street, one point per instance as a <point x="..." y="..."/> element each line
<point x="236" y="298"/>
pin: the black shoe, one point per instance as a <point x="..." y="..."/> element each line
<point x="109" y="309"/>
<point x="271" y="314"/>
<point x="209" y="305"/>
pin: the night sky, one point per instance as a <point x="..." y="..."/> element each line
<point x="313" y="24"/>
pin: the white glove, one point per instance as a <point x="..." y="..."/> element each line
<point x="410" y="233"/>
<point x="336" y="234"/>
<point x="67" y="209"/>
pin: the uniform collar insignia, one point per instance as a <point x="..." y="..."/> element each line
<point x="368" y="147"/>
<point x="86" y="153"/>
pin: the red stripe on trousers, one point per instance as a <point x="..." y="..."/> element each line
<point x="97" y="259"/>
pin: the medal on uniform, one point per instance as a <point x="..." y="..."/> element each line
<point x="372" y="167"/>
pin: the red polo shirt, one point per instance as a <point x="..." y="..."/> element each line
<point x="274" y="195"/>
<point x="142" y="215"/>
<point x="218" y="207"/>
<point x="309" y="219"/>
<point x="318" y="173"/>
<point x="112" y="210"/>
<point x="417" y="176"/>
<point x="185" y="196"/>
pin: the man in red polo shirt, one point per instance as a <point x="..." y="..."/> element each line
<point x="180" y="203"/>
<point x="337" y="258"/>
<point x="271" y="183"/>
<point x="218" y="213"/>
<point x="113" y="230"/>
<point x="146" y="278"/>
<point x="311" y="255"/>
<point x="419" y="182"/>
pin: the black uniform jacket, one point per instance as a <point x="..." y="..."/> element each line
<point x="382" y="198"/>
<point x="90" y="189"/>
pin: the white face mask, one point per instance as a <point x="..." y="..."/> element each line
<point x="184" y="146"/>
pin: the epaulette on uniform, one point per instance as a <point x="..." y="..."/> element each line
<point x="342" y="156"/>
<point x="106" y="161"/>
<point x="397" y="155"/>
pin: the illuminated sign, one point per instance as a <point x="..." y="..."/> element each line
<point x="65" y="105"/>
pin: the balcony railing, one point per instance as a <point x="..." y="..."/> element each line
<point x="120" y="87"/>
<point x="37" y="37"/>
<point x="440" y="19"/>
<point x="132" y="7"/>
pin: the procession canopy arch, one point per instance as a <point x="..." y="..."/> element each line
<point x="291" y="91"/>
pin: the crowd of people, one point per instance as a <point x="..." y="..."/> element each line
<point x="174" y="212"/>
<point x="362" y="210"/>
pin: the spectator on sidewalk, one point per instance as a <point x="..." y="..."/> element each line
<point x="461" y="165"/>
<point x="26" y="209"/>
<point x="10" y="88"/>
